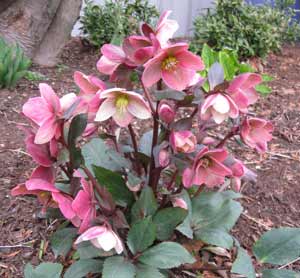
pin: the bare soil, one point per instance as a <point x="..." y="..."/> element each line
<point x="272" y="202"/>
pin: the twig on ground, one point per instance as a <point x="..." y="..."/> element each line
<point x="23" y="245"/>
<point x="256" y="221"/>
<point x="282" y="155"/>
<point x="288" y="264"/>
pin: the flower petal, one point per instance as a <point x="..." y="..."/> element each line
<point x="46" y="131"/>
<point x="106" y="66"/>
<point x="123" y="118"/>
<point x="152" y="72"/>
<point x="139" y="109"/>
<point x="189" y="60"/>
<point x="50" y="97"/>
<point x="179" y="78"/>
<point x="106" y="110"/>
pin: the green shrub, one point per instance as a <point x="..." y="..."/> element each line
<point x="101" y="24"/>
<point x="249" y="30"/>
<point x="13" y="64"/>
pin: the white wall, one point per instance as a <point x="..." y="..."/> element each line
<point x="184" y="11"/>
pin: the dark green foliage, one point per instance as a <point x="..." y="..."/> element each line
<point x="247" y="29"/>
<point x="102" y="24"/>
<point x="13" y="64"/>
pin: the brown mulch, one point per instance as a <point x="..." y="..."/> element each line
<point x="273" y="201"/>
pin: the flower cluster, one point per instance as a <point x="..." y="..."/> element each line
<point x="179" y="152"/>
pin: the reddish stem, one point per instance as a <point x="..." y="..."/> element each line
<point x="232" y="133"/>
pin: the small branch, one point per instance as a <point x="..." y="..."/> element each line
<point x="288" y="264"/>
<point x="232" y="133"/>
<point x="147" y="95"/>
<point x="16" y="246"/>
<point x="135" y="147"/>
<point x="194" y="112"/>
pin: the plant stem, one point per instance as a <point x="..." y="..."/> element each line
<point x="147" y="95"/>
<point x="135" y="147"/>
<point x="230" y="134"/>
<point x="194" y="112"/>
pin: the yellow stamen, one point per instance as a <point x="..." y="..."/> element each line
<point x="169" y="63"/>
<point x="122" y="102"/>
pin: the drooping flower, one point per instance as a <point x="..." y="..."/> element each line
<point x="238" y="171"/>
<point x="175" y="65"/>
<point x="164" y="29"/>
<point x="88" y="84"/>
<point x="183" y="141"/>
<point x="83" y="204"/>
<point x="256" y="133"/>
<point x="208" y="169"/>
<point x="45" y="111"/>
<point x="122" y="106"/>
<point x="103" y="238"/>
<point x="166" y="112"/>
<point x="41" y="184"/>
<point x="242" y="90"/>
<point x="219" y="106"/>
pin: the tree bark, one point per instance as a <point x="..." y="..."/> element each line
<point x="40" y="27"/>
<point x="58" y="34"/>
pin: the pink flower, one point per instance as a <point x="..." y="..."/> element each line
<point x="256" y="133"/>
<point x="122" y="106"/>
<point x="140" y="49"/>
<point x="175" y="65"/>
<point x="84" y="206"/>
<point x="166" y="112"/>
<point x="242" y="90"/>
<point x="183" y="141"/>
<point x="180" y="203"/>
<point x="46" y="111"/>
<point x="207" y="169"/>
<point x="103" y="238"/>
<point x="238" y="171"/>
<point x="112" y="57"/>
<point x="88" y="84"/>
<point x="41" y="184"/>
<point x="219" y="106"/>
<point x="164" y="158"/>
<point x="164" y="30"/>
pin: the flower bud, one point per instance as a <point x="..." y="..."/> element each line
<point x="166" y="113"/>
<point x="180" y="203"/>
<point x="183" y="141"/>
<point x="164" y="158"/>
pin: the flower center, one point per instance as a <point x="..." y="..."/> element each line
<point x="122" y="102"/>
<point x="169" y="63"/>
<point x="205" y="162"/>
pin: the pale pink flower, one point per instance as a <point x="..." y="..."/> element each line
<point x="175" y="65"/>
<point x="238" y="171"/>
<point x="164" y="30"/>
<point x="46" y="111"/>
<point x="208" y="169"/>
<point x="183" y="141"/>
<point x="166" y="112"/>
<point x="219" y="107"/>
<point x="84" y="204"/>
<point x="41" y="184"/>
<point x="256" y="133"/>
<point x="242" y="90"/>
<point x="103" y="238"/>
<point x="88" y="84"/>
<point x="180" y="203"/>
<point x="122" y="106"/>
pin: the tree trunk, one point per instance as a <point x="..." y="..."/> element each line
<point x="41" y="27"/>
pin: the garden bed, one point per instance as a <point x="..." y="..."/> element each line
<point x="273" y="201"/>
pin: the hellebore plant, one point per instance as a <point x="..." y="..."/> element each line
<point x="123" y="163"/>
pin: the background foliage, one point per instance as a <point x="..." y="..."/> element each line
<point x="248" y="29"/>
<point x="102" y="23"/>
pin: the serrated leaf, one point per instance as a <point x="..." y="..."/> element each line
<point x="216" y="237"/>
<point x="166" y="255"/>
<point x="115" y="184"/>
<point x="208" y="56"/>
<point x="228" y="65"/>
<point x="169" y="94"/>
<point x="44" y="270"/>
<point x="278" y="246"/>
<point x="280" y="273"/>
<point x="97" y="153"/>
<point x="141" y="235"/>
<point x="81" y="268"/>
<point x="62" y="240"/>
<point x="118" y="267"/>
<point x="166" y="220"/>
<point x="145" y="206"/>
<point x="145" y="271"/>
<point x="243" y="264"/>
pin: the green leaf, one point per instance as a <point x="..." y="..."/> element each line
<point x="227" y="64"/>
<point x="44" y="270"/>
<point x="81" y="268"/>
<point x="267" y="78"/>
<point x="145" y="206"/>
<point x="115" y="184"/>
<point x="166" y="220"/>
<point x="216" y="237"/>
<point x="213" y="210"/>
<point x="169" y="94"/>
<point x="118" y="267"/>
<point x="97" y="153"/>
<point x="244" y="68"/>
<point x="145" y="271"/>
<point x="243" y="264"/>
<point x="88" y="251"/>
<point x="208" y="56"/>
<point x="141" y="235"/>
<point x="278" y="246"/>
<point x="263" y="89"/>
<point x="62" y="240"/>
<point x="145" y="144"/>
<point x="280" y="273"/>
<point x="166" y="255"/>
